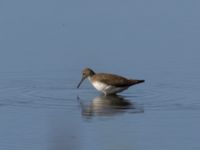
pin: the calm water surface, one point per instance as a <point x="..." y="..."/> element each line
<point x="48" y="112"/>
<point x="44" y="45"/>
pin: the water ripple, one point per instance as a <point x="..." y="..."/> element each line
<point x="37" y="94"/>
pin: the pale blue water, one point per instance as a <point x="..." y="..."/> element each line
<point x="44" y="45"/>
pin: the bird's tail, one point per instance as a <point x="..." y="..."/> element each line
<point x="136" y="81"/>
<point x="140" y="81"/>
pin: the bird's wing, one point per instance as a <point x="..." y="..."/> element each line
<point x="112" y="79"/>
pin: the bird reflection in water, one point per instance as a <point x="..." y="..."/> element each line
<point x="108" y="106"/>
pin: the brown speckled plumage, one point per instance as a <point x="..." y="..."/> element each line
<point x="114" y="80"/>
<point x="109" y="82"/>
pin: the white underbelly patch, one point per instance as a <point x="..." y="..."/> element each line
<point x="107" y="89"/>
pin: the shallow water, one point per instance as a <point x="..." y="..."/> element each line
<point x="44" y="45"/>
<point x="48" y="112"/>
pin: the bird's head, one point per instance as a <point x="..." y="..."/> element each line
<point x="87" y="72"/>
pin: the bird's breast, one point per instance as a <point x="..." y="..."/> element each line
<point x="107" y="89"/>
<point x="100" y="86"/>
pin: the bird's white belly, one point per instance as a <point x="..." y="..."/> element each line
<point x="107" y="89"/>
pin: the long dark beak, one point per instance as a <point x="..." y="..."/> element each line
<point x="83" y="78"/>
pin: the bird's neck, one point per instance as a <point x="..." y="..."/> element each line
<point x="90" y="78"/>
